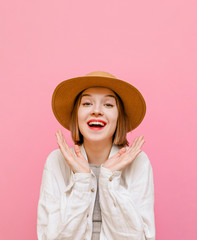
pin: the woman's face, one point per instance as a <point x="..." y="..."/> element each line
<point x="97" y="114"/>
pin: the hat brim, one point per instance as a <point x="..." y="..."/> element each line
<point x="65" y="94"/>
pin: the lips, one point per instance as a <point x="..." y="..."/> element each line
<point x="96" y="124"/>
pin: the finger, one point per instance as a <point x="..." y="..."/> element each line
<point x="61" y="139"/>
<point x="119" y="153"/>
<point x="59" y="136"/>
<point x="140" y="138"/>
<point x="59" y="142"/>
<point x="122" y="150"/>
<point x="67" y="153"/>
<point x="141" y="144"/>
<point x="135" y="141"/>
<point x="69" y="156"/>
<point x="137" y="149"/>
<point x="138" y="141"/>
<point x="78" y="151"/>
<point x="137" y="152"/>
<point x="129" y="160"/>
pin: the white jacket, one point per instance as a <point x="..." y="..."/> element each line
<point x="66" y="201"/>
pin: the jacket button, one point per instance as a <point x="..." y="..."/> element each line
<point x="92" y="190"/>
<point x="87" y="215"/>
<point x="110" y="179"/>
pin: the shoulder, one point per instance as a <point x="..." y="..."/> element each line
<point x="141" y="159"/>
<point x="55" y="160"/>
<point x="56" y="174"/>
<point x="141" y="165"/>
<point x="138" y="174"/>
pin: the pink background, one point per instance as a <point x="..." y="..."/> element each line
<point x="151" y="44"/>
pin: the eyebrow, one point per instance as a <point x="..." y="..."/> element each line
<point x="89" y="95"/>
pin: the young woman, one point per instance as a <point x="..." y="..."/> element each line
<point x="101" y="188"/>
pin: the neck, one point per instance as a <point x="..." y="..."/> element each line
<point x="97" y="153"/>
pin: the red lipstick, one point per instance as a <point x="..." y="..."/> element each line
<point x="96" y="124"/>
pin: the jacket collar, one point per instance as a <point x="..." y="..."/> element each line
<point x="113" y="151"/>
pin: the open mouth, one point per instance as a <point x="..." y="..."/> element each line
<point x="96" y="124"/>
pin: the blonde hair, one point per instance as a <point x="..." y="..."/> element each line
<point x="119" y="137"/>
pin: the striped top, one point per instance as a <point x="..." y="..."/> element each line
<point x="96" y="218"/>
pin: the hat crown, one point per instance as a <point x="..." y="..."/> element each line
<point x="65" y="94"/>
<point x="100" y="74"/>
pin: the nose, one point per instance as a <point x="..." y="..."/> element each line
<point x="97" y="110"/>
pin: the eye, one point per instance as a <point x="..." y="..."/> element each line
<point x="86" y="103"/>
<point x="109" y="105"/>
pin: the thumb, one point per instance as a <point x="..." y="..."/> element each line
<point x="78" y="151"/>
<point x="120" y="152"/>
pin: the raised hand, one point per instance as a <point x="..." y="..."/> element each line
<point x="124" y="157"/>
<point x="77" y="163"/>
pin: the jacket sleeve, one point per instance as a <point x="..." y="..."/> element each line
<point x="127" y="201"/>
<point x="63" y="215"/>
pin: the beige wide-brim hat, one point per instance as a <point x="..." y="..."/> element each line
<point x="66" y="92"/>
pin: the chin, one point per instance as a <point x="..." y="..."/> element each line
<point x="98" y="139"/>
<point x="97" y="136"/>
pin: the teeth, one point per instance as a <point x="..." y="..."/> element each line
<point x="96" y="123"/>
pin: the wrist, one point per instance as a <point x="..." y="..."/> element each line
<point x="82" y="171"/>
<point x="107" y="166"/>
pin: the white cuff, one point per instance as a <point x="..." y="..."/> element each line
<point x="107" y="176"/>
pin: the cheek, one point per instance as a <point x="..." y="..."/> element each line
<point x="115" y="115"/>
<point x="80" y="125"/>
<point x="114" y="118"/>
<point x="81" y="117"/>
<point x="80" y="114"/>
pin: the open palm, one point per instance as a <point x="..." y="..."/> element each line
<point x="124" y="157"/>
<point x="77" y="162"/>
